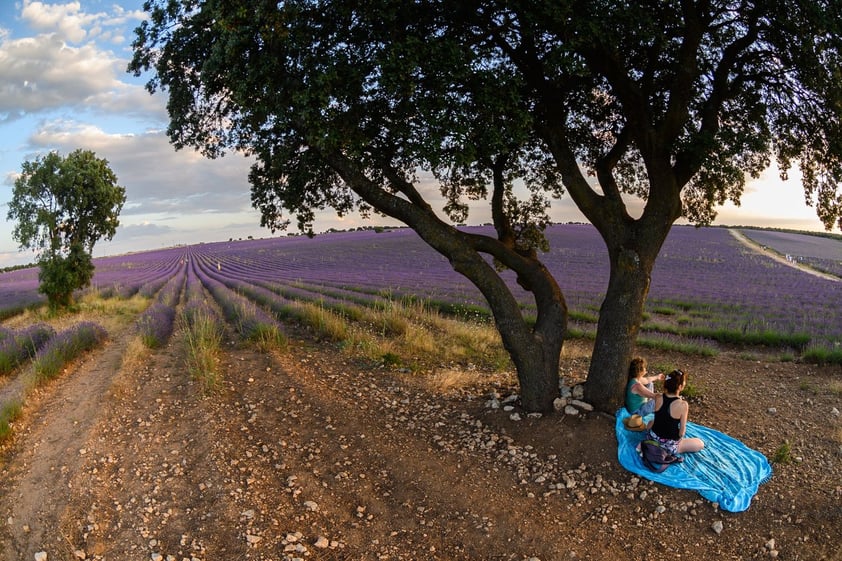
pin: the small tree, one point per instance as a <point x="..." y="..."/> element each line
<point x="63" y="206"/>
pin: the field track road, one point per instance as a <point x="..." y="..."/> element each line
<point x="780" y="258"/>
<point x="35" y="489"/>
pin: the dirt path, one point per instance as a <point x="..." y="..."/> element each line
<point x="312" y="454"/>
<point x="53" y="448"/>
<point x="780" y="258"/>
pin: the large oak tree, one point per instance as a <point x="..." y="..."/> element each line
<point x="344" y="103"/>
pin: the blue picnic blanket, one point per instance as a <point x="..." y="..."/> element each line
<point x="726" y="472"/>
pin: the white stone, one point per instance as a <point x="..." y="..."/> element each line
<point x="582" y="405"/>
<point x="252" y="539"/>
<point x="322" y="542"/>
<point x="311" y="506"/>
<point x="559" y="403"/>
<point x="570" y="410"/>
<point x="578" y="391"/>
<point x="515" y="416"/>
<point x="718" y="526"/>
<point x="41" y="556"/>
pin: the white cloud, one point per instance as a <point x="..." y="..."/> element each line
<point x="55" y="70"/>
<point x="66" y="19"/>
<point x="158" y="179"/>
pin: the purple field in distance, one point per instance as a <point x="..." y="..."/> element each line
<point x="704" y="278"/>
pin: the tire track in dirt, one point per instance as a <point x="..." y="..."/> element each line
<point x="152" y="488"/>
<point x="37" y="486"/>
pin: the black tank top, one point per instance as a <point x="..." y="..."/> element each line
<point x="665" y="426"/>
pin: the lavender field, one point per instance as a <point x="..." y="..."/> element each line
<point x="707" y="288"/>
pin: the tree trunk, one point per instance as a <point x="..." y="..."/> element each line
<point x="536" y="354"/>
<point x="619" y="322"/>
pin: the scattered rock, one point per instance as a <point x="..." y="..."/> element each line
<point x="718" y="527"/>
<point x="322" y="542"/>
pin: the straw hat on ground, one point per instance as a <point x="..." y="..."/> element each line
<point x="634" y="423"/>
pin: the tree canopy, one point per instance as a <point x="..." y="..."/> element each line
<point x="345" y="105"/>
<point x="62" y="207"/>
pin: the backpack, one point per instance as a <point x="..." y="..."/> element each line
<point x="655" y="457"/>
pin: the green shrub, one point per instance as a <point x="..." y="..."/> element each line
<point x="202" y="341"/>
<point x="783" y="455"/>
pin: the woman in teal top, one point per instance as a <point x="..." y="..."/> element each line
<point x="640" y="390"/>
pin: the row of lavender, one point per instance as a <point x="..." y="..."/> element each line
<point x="705" y="282"/>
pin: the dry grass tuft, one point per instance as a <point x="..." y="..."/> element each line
<point x="136" y="354"/>
<point x="202" y="342"/>
<point x="449" y="380"/>
<point x="324" y="322"/>
<point x="417" y="340"/>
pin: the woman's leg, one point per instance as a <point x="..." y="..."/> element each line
<point x="690" y="445"/>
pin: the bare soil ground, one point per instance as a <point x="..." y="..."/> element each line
<point x="313" y="454"/>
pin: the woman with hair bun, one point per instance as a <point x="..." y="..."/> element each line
<point x="670" y="422"/>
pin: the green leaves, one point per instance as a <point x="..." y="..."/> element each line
<point x="62" y="207"/>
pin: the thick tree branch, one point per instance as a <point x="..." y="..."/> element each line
<point x="727" y="73"/>
<point x="498" y="213"/>
<point x="687" y="70"/>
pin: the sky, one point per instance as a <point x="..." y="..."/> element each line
<point x="64" y="86"/>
